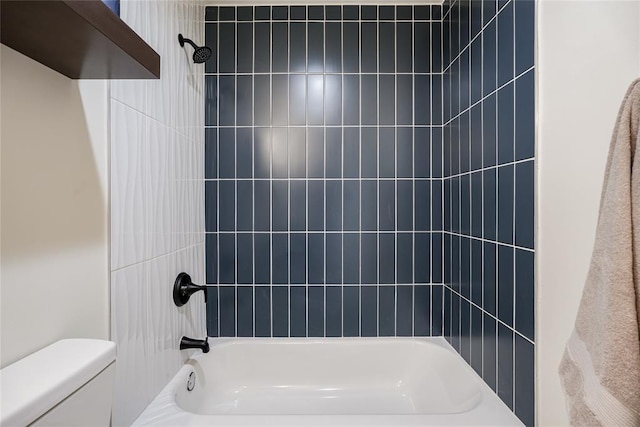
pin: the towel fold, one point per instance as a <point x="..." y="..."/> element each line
<point x="600" y="368"/>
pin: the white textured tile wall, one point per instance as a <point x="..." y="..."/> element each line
<point x="157" y="204"/>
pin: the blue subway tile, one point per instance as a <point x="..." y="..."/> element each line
<point x="262" y="153"/>
<point x="316" y="311"/>
<point x="334" y="205"/>
<point x="351" y="311"/>
<point x="280" y="310"/>
<point x="297" y="47"/>
<point x="489" y="352"/>
<point x="387" y="206"/>
<point x="297" y="258"/>
<point x="404" y="152"/>
<point x="524" y="405"/>
<point x="386" y="153"/>
<point x="369" y="315"/>
<point x="524" y="205"/>
<point x="437" y="257"/>
<point x="245" y="311"/>
<point x="262" y="258"/>
<point x="404" y="265"/>
<point x="297" y="97"/>
<point x="369" y="212"/>
<point x="386" y="100"/>
<point x="227" y="153"/>
<point x="505" y="124"/>
<point x="245" y="258"/>
<point x="211" y="154"/>
<point x="525" y="11"/>
<point x="386" y="260"/>
<point x="505" y="204"/>
<point x="227" y="266"/>
<point x="211" y="260"/>
<point x="298" y="206"/>
<point x="422" y="43"/>
<point x="436" y="310"/>
<point x="405" y="205"/>
<point x="369" y="258"/>
<point x="489" y="58"/>
<point x="369" y="152"/>
<point x="422" y="257"/>
<point x="316" y="258"/>
<point x="298" y="311"/>
<point x="465" y="204"/>
<point x="404" y="91"/>
<point x="211" y="205"/>
<point x="505" y="284"/>
<point x="280" y="153"/>
<point x="525" y="116"/>
<point x="212" y="311"/>
<point x="315" y="101"/>
<point x="226" y="100"/>
<point x="280" y="100"/>
<point x="226" y="50"/>
<point x="465" y="330"/>
<point x="387" y="307"/>
<point x="333" y="47"/>
<point x="369" y="46"/>
<point x="334" y="312"/>
<point x="351" y="258"/>
<point x="244" y="99"/>
<point x="422" y="157"/>
<point x="351" y="204"/>
<point x="280" y="205"/>
<point x="505" y="44"/>
<point x="422" y="206"/>
<point x="422" y="310"/>
<point x="489" y="278"/>
<point x="489" y="197"/>
<point x="475" y="137"/>
<point x="227" y="301"/>
<point x="446" y="298"/>
<point x="263" y="41"/>
<point x="316" y="205"/>
<point x="476" y="340"/>
<point x="455" y="322"/>
<point x="333" y="269"/>
<point x="525" y="296"/>
<point x="297" y="152"/>
<point x="505" y="365"/>
<point x="280" y="258"/>
<point x="489" y="144"/>
<point x="422" y="100"/>
<point x="351" y="47"/>
<point x="476" y="272"/>
<point x="333" y="148"/>
<point x="436" y="205"/>
<point x="465" y="267"/>
<point x="315" y="53"/>
<point x="369" y="97"/>
<point x="262" y="205"/>
<point x="351" y="153"/>
<point x="476" y="204"/>
<point x="211" y="39"/>
<point x="315" y="152"/>
<point x="404" y="311"/>
<point x="244" y="208"/>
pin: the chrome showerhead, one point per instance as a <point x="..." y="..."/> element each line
<point x="200" y="54"/>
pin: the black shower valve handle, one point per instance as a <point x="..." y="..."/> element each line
<point x="183" y="288"/>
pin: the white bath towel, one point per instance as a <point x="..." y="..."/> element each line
<point x="600" y="369"/>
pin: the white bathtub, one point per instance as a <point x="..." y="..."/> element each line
<point x="327" y="382"/>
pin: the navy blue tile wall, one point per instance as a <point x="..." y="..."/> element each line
<point x="324" y="171"/>
<point x="489" y="172"/>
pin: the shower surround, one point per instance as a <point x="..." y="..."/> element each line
<point x="370" y="172"/>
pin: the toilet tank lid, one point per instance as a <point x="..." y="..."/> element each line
<point x="35" y="384"/>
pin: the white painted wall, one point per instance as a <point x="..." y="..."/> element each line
<point x="54" y="218"/>
<point x="588" y="54"/>
<point x="157" y="205"/>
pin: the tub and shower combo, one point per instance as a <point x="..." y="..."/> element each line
<point x="327" y="382"/>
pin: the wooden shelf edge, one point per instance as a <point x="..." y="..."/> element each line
<point x="82" y="39"/>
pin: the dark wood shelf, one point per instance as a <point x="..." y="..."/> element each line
<point x="82" y="39"/>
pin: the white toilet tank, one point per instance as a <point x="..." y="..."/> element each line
<point x="68" y="383"/>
